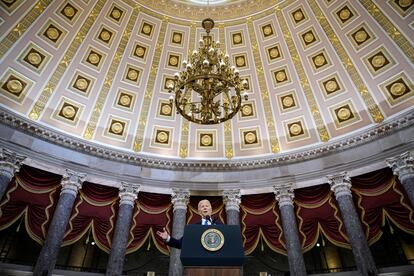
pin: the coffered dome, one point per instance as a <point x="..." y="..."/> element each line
<point x="320" y="73"/>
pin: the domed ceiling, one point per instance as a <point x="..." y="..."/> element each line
<point x="317" y="70"/>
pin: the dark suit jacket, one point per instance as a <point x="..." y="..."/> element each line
<point x="176" y="243"/>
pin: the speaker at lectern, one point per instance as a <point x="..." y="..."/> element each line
<point x="212" y="250"/>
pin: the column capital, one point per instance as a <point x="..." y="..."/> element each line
<point x="284" y="194"/>
<point x="10" y="162"/>
<point x="180" y="198"/>
<point x="232" y="199"/>
<point x="128" y="193"/>
<point x="402" y="165"/>
<point x="72" y="182"/>
<point x="340" y="184"/>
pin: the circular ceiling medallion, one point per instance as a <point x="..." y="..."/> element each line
<point x="320" y="60"/>
<point x="237" y="38"/>
<point x="14" y="86"/>
<point x="177" y="38"/>
<point x="34" y="58"/>
<point x="398" y="89"/>
<point x="139" y="51"/>
<point x="378" y="61"/>
<point x="295" y="129"/>
<point x="117" y="128"/>
<point x="344" y="14"/>
<point x="105" y="35"/>
<point x="68" y="111"/>
<point x="288" y="101"/>
<point x="267" y="30"/>
<point x="81" y="84"/>
<point x="298" y="15"/>
<point x="52" y="33"/>
<point x="206" y="140"/>
<point x="331" y="86"/>
<point x="69" y="11"/>
<point x="173" y="61"/>
<point x="132" y="74"/>
<point x="280" y="76"/>
<point x="240" y="61"/>
<point x="344" y="113"/>
<point x="94" y="58"/>
<point x="247" y="110"/>
<point x="405" y="3"/>
<point x="125" y="100"/>
<point x="146" y="29"/>
<point x="361" y="36"/>
<point x="116" y="14"/>
<point x="166" y="109"/>
<point x="162" y="137"/>
<point x="274" y="52"/>
<point x="250" y="137"/>
<point x="309" y="37"/>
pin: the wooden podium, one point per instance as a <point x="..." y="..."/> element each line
<point x="213" y="250"/>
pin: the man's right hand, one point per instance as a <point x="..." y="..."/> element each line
<point x="164" y="234"/>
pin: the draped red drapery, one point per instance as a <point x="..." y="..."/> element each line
<point x="32" y="195"/>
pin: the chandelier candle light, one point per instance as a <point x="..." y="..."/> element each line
<point x="208" y="90"/>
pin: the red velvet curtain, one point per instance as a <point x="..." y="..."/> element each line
<point x="317" y="214"/>
<point x="31" y="195"/>
<point x="94" y="212"/>
<point x="152" y="213"/>
<point x="379" y="197"/>
<point x="260" y="222"/>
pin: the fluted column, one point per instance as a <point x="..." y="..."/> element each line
<point x="341" y="186"/>
<point x="10" y="163"/>
<point x="403" y="167"/>
<point x="179" y="199"/>
<point x="71" y="183"/>
<point x="232" y="200"/>
<point x="284" y="196"/>
<point x="128" y="193"/>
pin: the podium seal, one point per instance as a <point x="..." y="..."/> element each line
<point x="212" y="239"/>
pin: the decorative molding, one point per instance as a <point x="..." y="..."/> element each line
<point x="284" y="194"/>
<point x="274" y="142"/>
<point x="10" y="162"/>
<point x="180" y="198"/>
<point x="71" y="182"/>
<point x="21" y="27"/>
<point x="232" y="199"/>
<point x="102" y="98"/>
<point x="402" y="165"/>
<point x="128" y="193"/>
<point x="64" y="63"/>
<point x="340" y="184"/>
<point x="375" y="132"/>
<point x="300" y="70"/>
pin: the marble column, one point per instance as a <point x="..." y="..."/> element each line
<point x="284" y="195"/>
<point x="71" y="183"/>
<point x="10" y="163"/>
<point x="128" y="193"/>
<point x="232" y="200"/>
<point x="341" y="186"/>
<point x="179" y="199"/>
<point x="403" y="167"/>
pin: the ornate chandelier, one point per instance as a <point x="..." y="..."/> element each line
<point x="208" y="89"/>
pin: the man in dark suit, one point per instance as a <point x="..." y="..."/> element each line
<point x="205" y="210"/>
